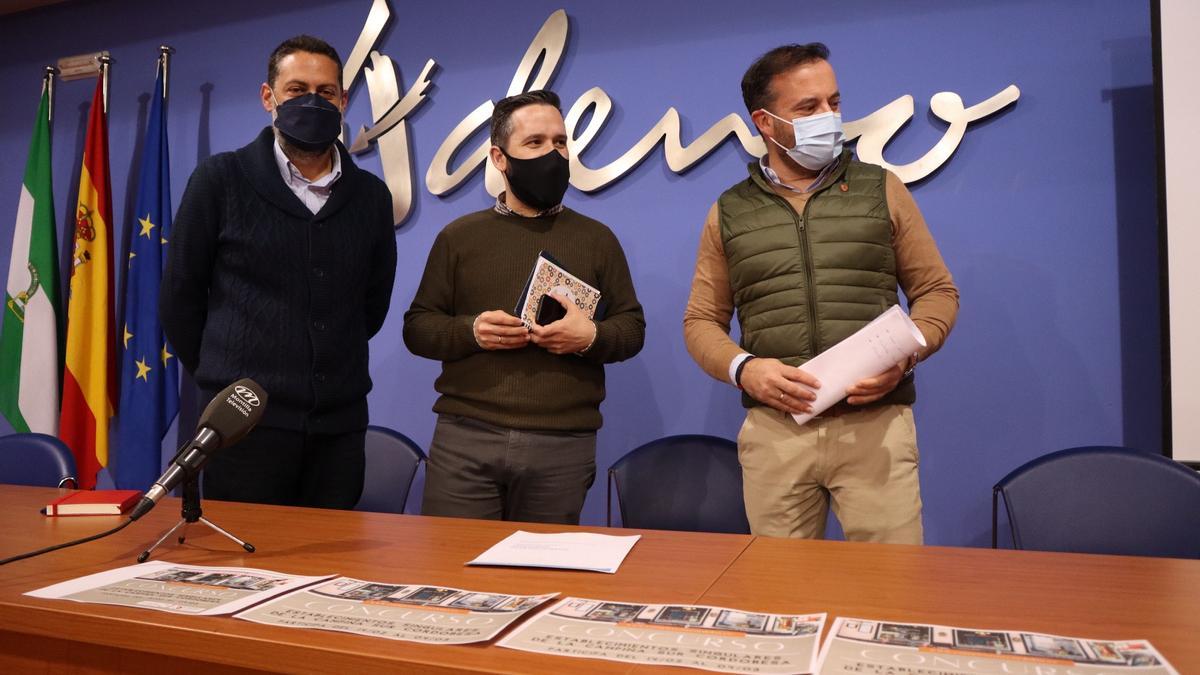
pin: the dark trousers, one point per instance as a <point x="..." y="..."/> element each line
<point x="289" y="468"/>
<point x="479" y="470"/>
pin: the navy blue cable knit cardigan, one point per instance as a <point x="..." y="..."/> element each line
<point x="258" y="286"/>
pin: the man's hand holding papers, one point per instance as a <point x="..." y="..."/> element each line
<point x="783" y="387"/>
<point x="864" y="364"/>
<point x="874" y="388"/>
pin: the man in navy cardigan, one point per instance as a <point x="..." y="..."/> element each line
<point x="280" y="268"/>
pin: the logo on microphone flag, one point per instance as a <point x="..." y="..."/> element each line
<point x="89" y="375"/>
<point x="247" y="395"/>
<point x="149" y="371"/>
<point x="30" y="355"/>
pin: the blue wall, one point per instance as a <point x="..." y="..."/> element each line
<point x="1045" y="214"/>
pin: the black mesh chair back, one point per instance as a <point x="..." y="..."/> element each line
<point x="1102" y="499"/>
<point x="36" y="459"/>
<point x="691" y="483"/>
<point x="392" y="462"/>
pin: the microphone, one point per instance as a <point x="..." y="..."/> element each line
<point x="227" y="419"/>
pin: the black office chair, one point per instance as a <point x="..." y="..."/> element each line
<point x="36" y="459"/>
<point x="1102" y="500"/>
<point x="392" y="462"/>
<point x="691" y="483"/>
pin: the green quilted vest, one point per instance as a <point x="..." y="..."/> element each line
<point x="802" y="282"/>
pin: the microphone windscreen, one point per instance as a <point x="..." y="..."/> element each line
<point x="234" y="412"/>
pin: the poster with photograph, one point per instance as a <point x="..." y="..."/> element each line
<point x="411" y="612"/>
<point x="696" y="636"/>
<point x="866" y="646"/>
<point x="180" y="589"/>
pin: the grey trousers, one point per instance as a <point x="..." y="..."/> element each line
<point x="480" y="470"/>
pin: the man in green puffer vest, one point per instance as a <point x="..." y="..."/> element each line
<point x="808" y="249"/>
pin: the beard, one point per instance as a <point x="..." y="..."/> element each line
<point x="298" y="154"/>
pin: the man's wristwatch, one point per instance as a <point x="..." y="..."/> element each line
<point x="737" y="374"/>
<point x="912" y="366"/>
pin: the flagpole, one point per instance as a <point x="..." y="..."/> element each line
<point x="105" y="65"/>
<point x="164" y="57"/>
<point x="48" y="80"/>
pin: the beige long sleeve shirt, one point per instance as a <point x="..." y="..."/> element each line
<point x="923" y="276"/>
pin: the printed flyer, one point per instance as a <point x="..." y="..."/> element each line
<point x="431" y="614"/>
<point x="711" y="638"/>
<point x="868" y="647"/>
<point x="180" y="589"/>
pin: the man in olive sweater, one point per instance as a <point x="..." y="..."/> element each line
<point x="519" y="408"/>
<point x="280" y="268"/>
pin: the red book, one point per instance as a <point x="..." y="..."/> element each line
<point x="94" y="503"/>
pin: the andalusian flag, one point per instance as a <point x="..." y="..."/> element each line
<point x="29" y="344"/>
<point x="89" y="378"/>
<point x="149" y="374"/>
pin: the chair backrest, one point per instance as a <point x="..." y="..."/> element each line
<point x="1103" y="499"/>
<point x="392" y="461"/>
<point x="691" y="483"/>
<point x="36" y="459"/>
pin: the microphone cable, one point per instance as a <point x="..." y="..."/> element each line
<point x="77" y="542"/>
<point x="244" y="398"/>
<point x="68" y="544"/>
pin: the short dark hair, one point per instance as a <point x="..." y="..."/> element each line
<point x="502" y="113"/>
<point x="301" y="43"/>
<point x="756" y="83"/>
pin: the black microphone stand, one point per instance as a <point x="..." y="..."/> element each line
<point x="192" y="513"/>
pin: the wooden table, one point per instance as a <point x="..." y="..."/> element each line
<point x="663" y="567"/>
<point x="1088" y="596"/>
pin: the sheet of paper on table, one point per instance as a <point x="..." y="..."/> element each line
<point x="179" y="589"/>
<point x="692" y="636"/>
<point x="878" y="646"/>
<point x="564" y="550"/>
<point x="397" y="611"/>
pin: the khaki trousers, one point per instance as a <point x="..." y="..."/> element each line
<point x="864" y="462"/>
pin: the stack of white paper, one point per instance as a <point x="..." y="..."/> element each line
<point x="891" y="338"/>
<point x="564" y="550"/>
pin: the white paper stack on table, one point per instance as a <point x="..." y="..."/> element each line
<point x="890" y="339"/>
<point x="564" y="550"/>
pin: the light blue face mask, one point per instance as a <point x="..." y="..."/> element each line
<point x="819" y="139"/>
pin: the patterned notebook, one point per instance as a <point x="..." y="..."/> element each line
<point x="550" y="277"/>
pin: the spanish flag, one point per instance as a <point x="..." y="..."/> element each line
<point x="89" y="376"/>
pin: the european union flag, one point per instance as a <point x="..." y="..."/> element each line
<point x="149" y="373"/>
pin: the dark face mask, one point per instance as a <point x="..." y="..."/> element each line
<point x="309" y="122"/>
<point x="540" y="182"/>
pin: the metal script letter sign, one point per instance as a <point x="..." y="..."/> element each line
<point x="390" y="131"/>
<point x="388" y="109"/>
<point x="548" y="45"/>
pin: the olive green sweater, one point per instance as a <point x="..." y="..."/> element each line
<point x="481" y="262"/>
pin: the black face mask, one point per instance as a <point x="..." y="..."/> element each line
<point x="309" y="122"/>
<point x="540" y="182"/>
